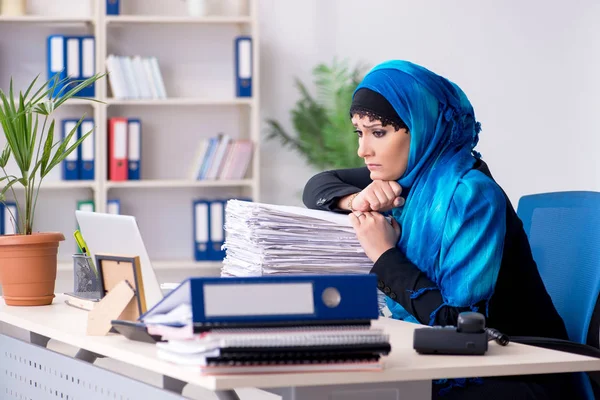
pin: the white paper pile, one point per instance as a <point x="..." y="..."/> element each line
<point x="263" y="239"/>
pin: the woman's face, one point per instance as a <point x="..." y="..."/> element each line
<point x="384" y="149"/>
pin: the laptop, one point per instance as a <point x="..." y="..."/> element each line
<point x="119" y="235"/>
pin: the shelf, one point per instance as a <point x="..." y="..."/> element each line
<point x="183" y="183"/>
<point x="163" y="265"/>
<point x="54" y="185"/>
<point x="150" y="19"/>
<point x="49" y="19"/>
<point x="181" y="101"/>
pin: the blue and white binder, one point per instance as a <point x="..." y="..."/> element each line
<point x="87" y="164"/>
<point x="56" y="60"/>
<point x="87" y="51"/>
<point x="322" y="299"/>
<point x="9" y="218"/>
<point x="113" y="206"/>
<point x="201" y="220"/>
<point x="71" y="162"/>
<point x="73" y="61"/>
<point x="243" y="66"/>
<point x="216" y="218"/>
<point x="112" y="7"/>
<point x="134" y="148"/>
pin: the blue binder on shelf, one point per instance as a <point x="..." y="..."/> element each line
<point x="243" y="66"/>
<point x="87" y="64"/>
<point x="56" y="60"/>
<point x="216" y="237"/>
<point x="8" y="218"/>
<point x="88" y="148"/>
<point x="201" y="222"/>
<point x="134" y="148"/>
<point x="70" y="170"/>
<point x="72" y="61"/>
<point x="113" y="206"/>
<point x="272" y="300"/>
<point x="112" y="7"/>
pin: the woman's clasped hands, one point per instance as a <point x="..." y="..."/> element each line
<point x="375" y="234"/>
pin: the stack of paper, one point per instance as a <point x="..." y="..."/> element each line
<point x="264" y="239"/>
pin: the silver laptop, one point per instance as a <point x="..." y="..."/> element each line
<point x="119" y="235"/>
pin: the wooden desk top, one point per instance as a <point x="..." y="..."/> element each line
<point x="68" y="324"/>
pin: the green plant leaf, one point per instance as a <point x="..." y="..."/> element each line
<point x="63" y="151"/>
<point x="47" y="149"/>
<point x="5" y="156"/>
<point x="8" y="186"/>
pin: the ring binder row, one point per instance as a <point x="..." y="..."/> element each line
<point x="72" y="59"/>
<point x="209" y="229"/>
<point x="124" y="149"/>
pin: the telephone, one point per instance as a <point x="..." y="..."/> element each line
<point x="469" y="336"/>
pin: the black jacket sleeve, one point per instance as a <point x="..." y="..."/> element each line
<point x="323" y="191"/>
<point x="398" y="278"/>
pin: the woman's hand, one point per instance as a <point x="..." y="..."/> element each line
<point x="375" y="234"/>
<point x="379" y="196"/>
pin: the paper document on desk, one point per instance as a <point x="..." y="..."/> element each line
<point x="264" y="239"/>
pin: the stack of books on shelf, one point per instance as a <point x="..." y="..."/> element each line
<point x="135" y="77"/>
<point x="243" y="325"/>
<point x="222" y="158"/>
<point x="124" y="148"/>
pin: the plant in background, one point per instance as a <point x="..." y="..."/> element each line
<point x="34" y="151"/>
<point x="325" y="135"/>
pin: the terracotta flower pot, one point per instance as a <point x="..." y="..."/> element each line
<point x="28" y="268"/>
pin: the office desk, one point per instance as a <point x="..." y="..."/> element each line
<point x="406" y="374"/>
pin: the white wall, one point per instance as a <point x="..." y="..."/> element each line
<point x="529" y="68"/>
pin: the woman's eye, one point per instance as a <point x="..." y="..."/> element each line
<point x="379" y="134"/>
<point x="359" y="133"/>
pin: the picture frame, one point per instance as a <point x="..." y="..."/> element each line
<point x="113" y="269"/>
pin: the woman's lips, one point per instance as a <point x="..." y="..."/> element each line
<point x="373" y="166"/>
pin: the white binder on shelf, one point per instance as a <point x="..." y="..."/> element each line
<point x="73" y="58"/>
<point x="201" y="229"/>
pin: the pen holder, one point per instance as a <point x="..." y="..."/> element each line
<point x="85" y="278"/>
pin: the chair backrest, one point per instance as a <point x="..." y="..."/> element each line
<point x="564" y="233"/>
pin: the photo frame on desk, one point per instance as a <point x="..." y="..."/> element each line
<point x="114" y="269"/>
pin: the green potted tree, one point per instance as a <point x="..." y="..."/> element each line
<point x="322" y="122"/>
<point x="28" y="259"/>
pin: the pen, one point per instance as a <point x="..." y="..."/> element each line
<point x="83" y="246"/>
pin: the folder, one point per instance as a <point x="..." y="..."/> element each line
<point x="113" y="7"/>
<point x="56" y="60"/>
<point x="117" y="149"/>
<point x="113" y="206"/>
<point x="86" y="171"/>
<point x="216" y="218"/>
<point x="272" y="300"/>
<point x="134" y="148"/>
<point x="201" y="218"/>
<point x="73" y="61"/>
<point x="243" y="66"/>
<point x="86" y="205"/>
<point x="87" y="62"/>
<point x="10" y="218"/>
<point x="71" y="162"/>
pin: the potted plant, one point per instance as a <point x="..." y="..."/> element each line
<point x="322" y="122"/>
<point x="28" y="259"/>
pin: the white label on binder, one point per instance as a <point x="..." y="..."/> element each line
<point x="87" y="58"/>
<point x="245" y="58"/>
<point x="258" y="299"/>
<point x="56" y="54"/>
<point x="86" y="207"/>
<point x="201" y="222"/>
<point x="87" y="146"/>
<point x="69" y="126"/>
<point x="216" y="221"/>
<point x="113" y="207"/>
<point x="134" y="141"/>
<point x="120" y="138"/>
<point x="73" y="58"/>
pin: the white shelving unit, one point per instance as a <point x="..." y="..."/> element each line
<point x="196" y="57"/>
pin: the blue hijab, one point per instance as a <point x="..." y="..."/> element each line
<point x="453" y="220"/>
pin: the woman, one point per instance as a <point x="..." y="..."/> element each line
<point x="455" y="242"/>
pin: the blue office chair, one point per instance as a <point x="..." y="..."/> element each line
<point x="564" y="232"/>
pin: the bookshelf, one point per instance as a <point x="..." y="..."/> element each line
<point x="196" y="57"/>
